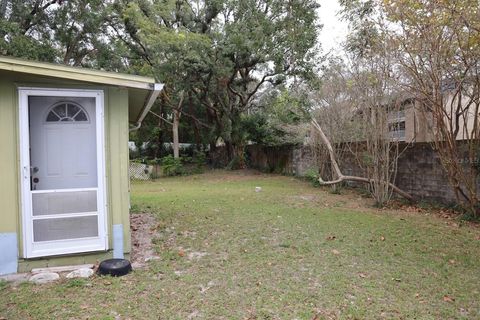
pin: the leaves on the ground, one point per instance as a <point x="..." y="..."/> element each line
<point x="332" y="237"/>
<point x="335" y="252"/>
<point x="447" y="298"/>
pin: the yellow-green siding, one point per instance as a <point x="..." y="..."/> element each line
<point x="9" y="172"/>
<point x="116" y="155"/>
<point x="116" y="115"/>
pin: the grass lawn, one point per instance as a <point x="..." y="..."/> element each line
<point x="290" y="251"/>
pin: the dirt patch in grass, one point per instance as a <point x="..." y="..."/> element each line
<point x="144" y="228"/>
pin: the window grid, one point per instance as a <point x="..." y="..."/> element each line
<point x="66" y="112"/>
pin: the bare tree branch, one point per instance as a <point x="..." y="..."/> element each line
<point x="339" y="173"/>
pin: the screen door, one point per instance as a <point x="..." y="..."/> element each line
<point x="63" y="172"/>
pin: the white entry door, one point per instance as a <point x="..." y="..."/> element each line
<point x="63" y="169"/>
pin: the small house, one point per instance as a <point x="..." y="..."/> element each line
<point x="64" y="185"/>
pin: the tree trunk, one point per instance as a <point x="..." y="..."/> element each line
<point x="235" y="155"/>
<point x="176" y="122"/>
<point x="176" y="143"/>
<point x="160" y="136"/>
<point x="239" y="154"/>
<point x="229" y="149"/>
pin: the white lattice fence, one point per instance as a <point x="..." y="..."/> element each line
<point x="140" y="171"/>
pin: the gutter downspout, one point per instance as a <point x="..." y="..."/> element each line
<point x="157" y="88"/>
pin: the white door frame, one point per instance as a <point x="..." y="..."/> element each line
<point x="49" y="248"/>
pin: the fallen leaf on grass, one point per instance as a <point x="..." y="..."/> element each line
<point x="362" y="275"/>
<point x="448" y="298"/>
<point x="331" y="238"/>
<point x="181" y="253"/>
<point x="451" y="261"/>
<point x="382" y="238"/>
<point x="335" y="252"/>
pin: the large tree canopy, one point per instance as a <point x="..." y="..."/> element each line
<point x="223" y="55"/>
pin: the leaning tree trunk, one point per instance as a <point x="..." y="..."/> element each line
<point x="338" y="172"/>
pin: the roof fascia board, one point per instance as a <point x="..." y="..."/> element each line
<point x="77" y="74"/>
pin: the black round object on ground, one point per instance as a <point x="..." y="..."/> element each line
<point x="115" y="267"/>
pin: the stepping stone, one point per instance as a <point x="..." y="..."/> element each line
<point x="62" y="269"/>
<point x="46" y="277"/>
<point x="80" y="273"/>
<point x="16" y="278"/>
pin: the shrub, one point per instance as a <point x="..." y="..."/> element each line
<point x="312" y="176"/>
<point x="172" y="166"/>
<point x="199" y="159"/>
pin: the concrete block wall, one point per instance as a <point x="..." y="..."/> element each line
<point x="419" y="169"/>
<point x="421" y="174"/>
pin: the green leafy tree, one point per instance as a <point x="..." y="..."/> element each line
<point x="24" y="29"/>
<point x="72" y="32"/>
<point x="222" y="54"/>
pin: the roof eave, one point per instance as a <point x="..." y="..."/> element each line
<point x="100" y="77"/>
<point x="157" y="88"/>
